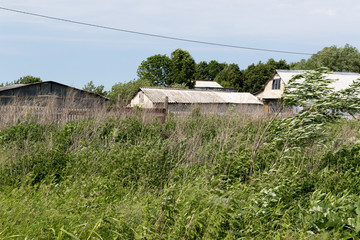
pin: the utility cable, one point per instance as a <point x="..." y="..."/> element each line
<point x="153" y="35"/>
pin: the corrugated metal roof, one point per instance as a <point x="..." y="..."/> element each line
<point x="11" y="86"/>
<point x="343" y="79"/>
<point x="157" y="95"/>
<point x="207" y="84"/>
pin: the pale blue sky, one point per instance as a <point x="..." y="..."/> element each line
<point x="74" y="54"/>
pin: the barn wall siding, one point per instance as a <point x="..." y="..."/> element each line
<point x="50" y="93"/>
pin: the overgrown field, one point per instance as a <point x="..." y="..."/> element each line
<point x="187" y="178"/>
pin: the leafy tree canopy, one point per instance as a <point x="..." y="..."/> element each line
<point x="27" y="80"/>
<point x="208" y="71"/>
<point x="90" y="87"/>
<point x="156" y="69"/>
<point x="215" y="68"/>
<point x="255" y="76"/>
<point x="182" y="68"/>
<point x="202" y="71"/>
<point x="23" y="80"/>
<point x="230" y="77"/>
<point x="127" y="90"/>
<point x="342" y="59"/>
<point x="160" y="70"/>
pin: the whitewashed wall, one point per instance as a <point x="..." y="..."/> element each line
<point x="141" y="100"/>
<point x="272" y="93"/>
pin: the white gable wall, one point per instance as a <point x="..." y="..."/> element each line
<point x="141" y="100"/>
<point x="272" y="93"/>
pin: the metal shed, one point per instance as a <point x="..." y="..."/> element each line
<point x="182" y="101"/>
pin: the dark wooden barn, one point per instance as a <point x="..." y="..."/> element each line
<point x="43" y="93"/>
<point x="48" y="102"/>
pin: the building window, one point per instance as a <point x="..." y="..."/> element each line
<point x="276" y="84"/>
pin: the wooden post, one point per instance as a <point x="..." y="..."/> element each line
<point x="119" y="101"/>
<point x="166" y="104"/>
<point x="266" y="107"/>
<point x="166" y="107"/>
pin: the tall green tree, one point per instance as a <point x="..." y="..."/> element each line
<point x="182" y="68"/>
<point x="215" y="68"/>
<point x="255" y="76"/>
<point x="230" y="77"/>
<point x="90" y="87"/>
<point x="339" y="59"/>
<point x="156" y="69"/>
<point x="202" y="71"/>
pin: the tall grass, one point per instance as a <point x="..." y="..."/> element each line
<point x="132" y="177"/>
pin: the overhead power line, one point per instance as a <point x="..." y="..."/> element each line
<point x="154" y="35"/>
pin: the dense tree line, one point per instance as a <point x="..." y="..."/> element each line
<point x="337" y="59"/>
<point x="180" y="68"/>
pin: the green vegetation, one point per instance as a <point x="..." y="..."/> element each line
<point x="337" y="59"/>
<point x="230" y="77"/>
<point x="127" y="90"/>
<point x="186" y="178"/>
<point x="182" y="68"/>
<point x="156" y="69"/>
<point x="90" y="87"/>
<point x="23" y="80"/>
<point x="256" y="75"/>
<point x="161" y="70"/>
<point x="199" y="177"/>
<point x="27" y="80"/>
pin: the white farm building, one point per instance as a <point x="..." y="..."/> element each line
<point x="182" y="101"/>
<point x="274" y="87"/>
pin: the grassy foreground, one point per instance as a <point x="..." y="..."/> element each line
<point x="187" y="178"/>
